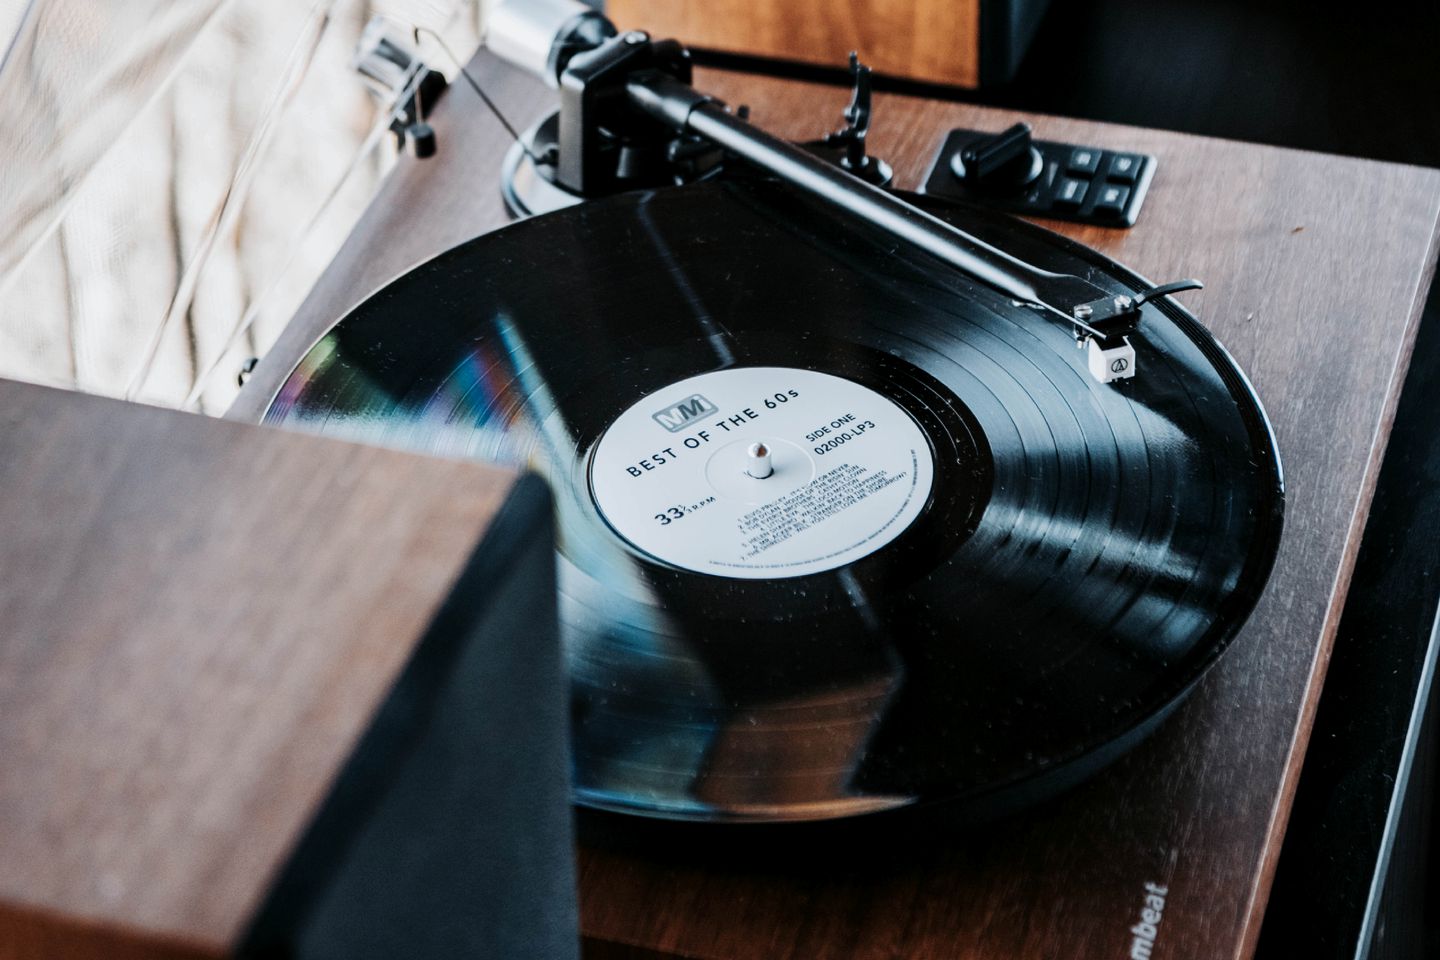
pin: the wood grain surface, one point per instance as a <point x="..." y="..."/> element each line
<point x="1315" y="267"/>
<point x="937" y="41"/>
<point x="197" y="621"/>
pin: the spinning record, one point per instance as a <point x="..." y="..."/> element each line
<point x="839" y="528"/>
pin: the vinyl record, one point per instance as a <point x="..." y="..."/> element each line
<point x="974" y="572"/>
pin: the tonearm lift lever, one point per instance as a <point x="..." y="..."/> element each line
<point x="627" y="108"/>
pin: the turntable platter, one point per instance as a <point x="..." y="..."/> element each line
<point x="973" y="572"/>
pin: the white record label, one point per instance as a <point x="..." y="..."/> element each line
<point x="850" y="471"/>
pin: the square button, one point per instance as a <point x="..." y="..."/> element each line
<point x="1084" y="161"/>
<point x="1123" y="167"/>
<point x="1070" y="192"/>
<point x="1111" y="200"/>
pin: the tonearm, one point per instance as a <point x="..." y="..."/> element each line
<point x="629" y="117"/>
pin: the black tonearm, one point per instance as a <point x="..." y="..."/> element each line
<point x="627" y="109"/>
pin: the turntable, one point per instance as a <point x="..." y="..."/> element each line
<point x="884" y="513"/>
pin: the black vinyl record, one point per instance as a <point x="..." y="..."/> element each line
<point x="981" y="572"/>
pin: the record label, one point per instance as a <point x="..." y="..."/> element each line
<point x="683" y="474"/>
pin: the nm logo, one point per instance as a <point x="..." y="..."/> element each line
<point x="678" y="416"/>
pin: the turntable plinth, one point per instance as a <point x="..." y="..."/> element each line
<point x="1315" y="270"/>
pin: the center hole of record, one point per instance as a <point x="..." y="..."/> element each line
<point x="728" y="469"/>
<point x="681" y="475"/>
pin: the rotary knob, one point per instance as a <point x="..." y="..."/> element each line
<point x="1007" y="162"/>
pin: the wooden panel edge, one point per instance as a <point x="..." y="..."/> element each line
<point x="1299" y="743"/>
<point x="38" y="933"/>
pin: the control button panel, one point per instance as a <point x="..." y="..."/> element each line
<point x="1063" y="181"/>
